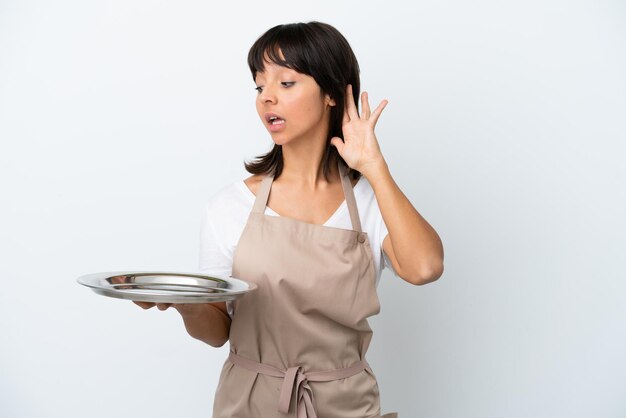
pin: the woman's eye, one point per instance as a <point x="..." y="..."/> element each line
<point x="259" y="89"/>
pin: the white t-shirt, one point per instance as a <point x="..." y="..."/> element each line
<point x="226" y="213"/>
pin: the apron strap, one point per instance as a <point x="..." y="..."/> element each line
<point x="295" y="379"/>
<point x="263" y="195"/>
<point x="348" y="192"/>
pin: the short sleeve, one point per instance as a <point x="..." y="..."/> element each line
<point x="214" y="256"/>
<point x="382" y="233"/>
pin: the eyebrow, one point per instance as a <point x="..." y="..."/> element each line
<point x="282" y="70"/>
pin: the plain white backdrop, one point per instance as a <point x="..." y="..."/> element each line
<point x="505" y="128"/>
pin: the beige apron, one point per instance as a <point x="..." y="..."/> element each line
<point x="298" y="341"/>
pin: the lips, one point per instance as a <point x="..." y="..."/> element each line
<point x="269" y="115"/>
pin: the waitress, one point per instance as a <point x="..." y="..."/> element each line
<point x="311" y="227"/>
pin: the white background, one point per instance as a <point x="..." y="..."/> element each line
<point x="505" y="128"/>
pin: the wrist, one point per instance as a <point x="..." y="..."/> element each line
<point x="374" y="169"/>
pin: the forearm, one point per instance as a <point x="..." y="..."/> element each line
<point x="207" y="323"/>
<point x="416" y="245"/>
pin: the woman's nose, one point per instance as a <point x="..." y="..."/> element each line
<point x="268" y="95"/>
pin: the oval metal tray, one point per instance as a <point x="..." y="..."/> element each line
<point x="166" y="287"/>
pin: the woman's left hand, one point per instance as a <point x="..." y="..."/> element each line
<point x="359" y="147"/>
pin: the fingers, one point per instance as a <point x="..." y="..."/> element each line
<point x="378" y="111"/>
<point x="337" y="143"/>
<point x="148" y="305"/>
<point x="346" y="117"/>
<point x="350" y="105"/>
<point x="365" y="105"/>
<point x="145" y="305"/>
<point x="351" y="111"/>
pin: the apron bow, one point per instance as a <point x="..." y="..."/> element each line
<point x="295" y="378"/>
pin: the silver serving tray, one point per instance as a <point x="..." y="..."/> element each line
<point x="166" y="287"/>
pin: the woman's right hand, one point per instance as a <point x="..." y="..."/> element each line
<point x="145" y="305"/>
<point x="185" y="309"/>
<point x="208" y="322"/>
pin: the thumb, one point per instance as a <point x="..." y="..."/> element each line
<point x="338" y="143"/>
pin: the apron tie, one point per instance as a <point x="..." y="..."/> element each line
<point x="304" y="394"/>
<point x="294" y="377"/>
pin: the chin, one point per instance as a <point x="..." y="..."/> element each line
<point x="280" y="140"/>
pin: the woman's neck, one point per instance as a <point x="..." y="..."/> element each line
<point x="302" y="166"/>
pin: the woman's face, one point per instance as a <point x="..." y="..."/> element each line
<point x="296" y="99"/>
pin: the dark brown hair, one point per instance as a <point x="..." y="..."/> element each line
<point x="320" y="51"/>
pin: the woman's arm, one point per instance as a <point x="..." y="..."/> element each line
<point x="412" y="245"/>
<point x="207" y="322"/>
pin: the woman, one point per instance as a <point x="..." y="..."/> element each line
<point x="298" y="342"/>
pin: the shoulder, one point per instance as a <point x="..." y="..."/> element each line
<point x="253" y="182"/>
<point x="230" y="199"/>
<point x="225" y="213"/>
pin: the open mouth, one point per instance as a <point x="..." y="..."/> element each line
<point x="274" y="119"/>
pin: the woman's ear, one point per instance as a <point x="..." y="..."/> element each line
<point x="329" y="101"/>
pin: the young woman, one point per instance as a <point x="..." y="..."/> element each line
<point x="311" y="227"/>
